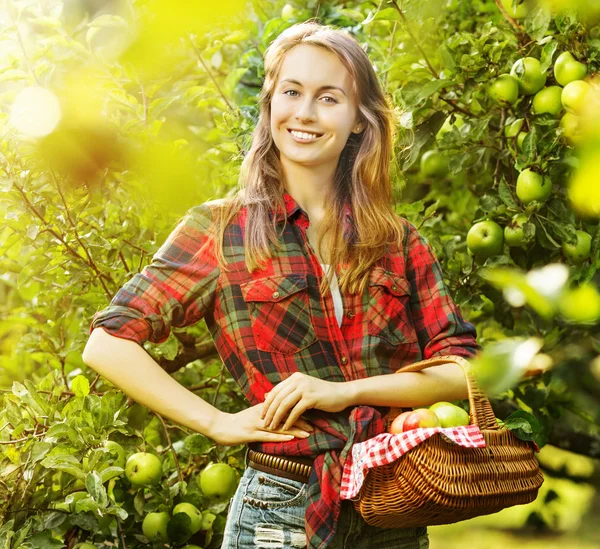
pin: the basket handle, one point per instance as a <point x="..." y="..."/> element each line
<point x="481" y="412"/>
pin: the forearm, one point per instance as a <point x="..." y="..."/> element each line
<point x="130" y="368"/>
<point x="446" y="382"/>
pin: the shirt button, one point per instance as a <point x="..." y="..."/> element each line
<point x="344" y="360"/>
<point x="275" y="295"/>
<point x="395" y="288"/>
<point x="350" y="314"/>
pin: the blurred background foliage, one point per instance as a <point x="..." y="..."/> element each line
<point x="118" y="116"/>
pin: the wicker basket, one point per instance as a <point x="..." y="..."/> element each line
<point x="439" y="482"/>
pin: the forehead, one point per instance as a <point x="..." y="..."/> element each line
<point x="314" y="67"/>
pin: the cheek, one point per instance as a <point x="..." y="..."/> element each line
<point x="279" y="111"/>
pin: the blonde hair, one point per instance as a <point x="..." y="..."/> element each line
<point x="362" y="174"/>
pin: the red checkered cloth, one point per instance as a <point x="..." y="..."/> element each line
<point x="386" y="447"/>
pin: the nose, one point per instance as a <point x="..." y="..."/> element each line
<point x="306" y="111"/>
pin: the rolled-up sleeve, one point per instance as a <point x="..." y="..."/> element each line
<point x="440" y="328"/>
<point x="176" y="289"/>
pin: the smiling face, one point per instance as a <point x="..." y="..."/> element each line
<point x="313" y="94"/>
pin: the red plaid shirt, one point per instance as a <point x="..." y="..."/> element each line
<point x="271" y="323"/>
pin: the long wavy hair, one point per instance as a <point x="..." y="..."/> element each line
<point x="361" y="177"/>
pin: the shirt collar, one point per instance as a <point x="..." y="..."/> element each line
<point x="292" y="208"/>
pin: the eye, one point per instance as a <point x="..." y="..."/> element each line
<point x="333" y="99"/>
<point x="286" y="91"/>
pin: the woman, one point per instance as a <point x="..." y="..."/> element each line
<point x="313" y="348"/>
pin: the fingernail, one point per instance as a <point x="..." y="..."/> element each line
<point x="304" y="434"/>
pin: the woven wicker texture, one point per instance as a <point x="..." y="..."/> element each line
<point x="439" y="482"/>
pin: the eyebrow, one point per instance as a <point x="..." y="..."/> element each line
<point x="328" y="87"/>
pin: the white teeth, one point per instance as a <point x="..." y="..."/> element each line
<point x="303" y="135"/>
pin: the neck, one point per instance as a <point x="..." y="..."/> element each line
<point x="310" y="188"/>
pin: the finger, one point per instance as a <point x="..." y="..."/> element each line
<point x="267" y="402"/>
<point x="284" y="408"/>
<point x="266" y="436"/>
<point x="303" y="424"/>
<point x="275" y="404"/>
<point x="295" y="414"/>
<point x="298" y="433"/>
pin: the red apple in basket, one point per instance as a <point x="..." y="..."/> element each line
<point x="420" y="418"/>
<point x="396" y="426"/>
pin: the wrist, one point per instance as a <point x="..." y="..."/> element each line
<point x="349" y="392"/>
<point x="214" y="424"/>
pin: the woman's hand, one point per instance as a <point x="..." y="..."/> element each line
<point x="247" y="426"/>
<point x="301" y="392"/>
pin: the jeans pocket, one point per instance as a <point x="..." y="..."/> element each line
<point x="269" y="491"/>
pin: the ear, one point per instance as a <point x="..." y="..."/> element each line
<point x="358" y="128"/>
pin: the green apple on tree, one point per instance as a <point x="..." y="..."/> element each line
<point x="218" y="480"/>
<point x="577" y="253"/>
<point x="143" y="469"/>
<point x="449" y="414"/>
<point x="574" y="95"/>
<point x="459" y="122"/>
<point x="513" y="128"/>
<point x="548" y="101"/>
<point x="434" y="164"/>
<point x="584" y="189"/>
<point x="116" y="451"/>
<point x="504" y="90"/>
<point x="567" y="69"/>
<point x="570" y="125"/>
<point x="84" y="545"/>
<point x="580" y="304"/>
<point x="520" y="12"/>
<point x="191" y="511"/>
<point x="208" y="519"/>
<point x="533" y="186"/>
<point x="154" y="526"/>
<point x="528" y="73"/>
<point x="485" y="238"/>
<point x="514" y="233"/>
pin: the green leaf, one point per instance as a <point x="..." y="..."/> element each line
<point x="111" y="472"/>
<point x="447" y="57"/>
<point x="506" y="195"/>
<point x="39" y="450"/>
<point x="67" y="463"/>
<point x="198" y="444"/>
<point x="537" y="23"/>
<point x="547" y="54"/>
<point x="80" y="386"/>
<point x="43" y="540"/>
<point x="523" y="424"/>
<point x="93" y="484"/>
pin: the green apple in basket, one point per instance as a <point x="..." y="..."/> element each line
<point x="449" y="414"/>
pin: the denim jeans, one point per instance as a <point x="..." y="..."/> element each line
<point x="267" y="511"/>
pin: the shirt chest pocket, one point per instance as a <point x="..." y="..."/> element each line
<point x="388" y="314"/>
<point x="280" y="313"/>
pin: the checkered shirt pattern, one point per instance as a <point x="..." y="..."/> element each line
<point x="273" y="322"/>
